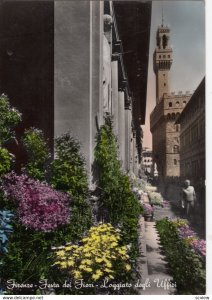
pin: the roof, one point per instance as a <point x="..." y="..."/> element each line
<point x="133" y="20"/>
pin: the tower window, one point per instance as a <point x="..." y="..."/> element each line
<point x="164" y="56"/>
<point x="177" y="103"/>
<point x="168" y="56"/>
<point x="159" y="56"/>
<point x="165" y="41"/>
<point x="176" y="149"/>
<point x="184" y="103"/>
<point x="170" y="104"/>
<point x="164" y="84"/>
<point x="175" y="162"/>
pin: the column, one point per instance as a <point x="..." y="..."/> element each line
<point x="115" y="108"/>
<point x="121" y="126"/>
<point x="127" y="138"/>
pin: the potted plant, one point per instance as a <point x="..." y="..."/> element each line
<point x="148" y="211"/>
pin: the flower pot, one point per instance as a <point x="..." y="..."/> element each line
<point x="148" y="218"/>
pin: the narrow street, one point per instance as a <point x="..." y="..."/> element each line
<point x="156" y="278"/>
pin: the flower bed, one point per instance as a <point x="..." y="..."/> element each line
<point x="39" y="206"/>
<point x="155" y="198"/>
<point x="185" y="254"/>
<point x="99" y="256"/>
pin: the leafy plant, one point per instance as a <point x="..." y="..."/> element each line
<point x="186" y="265"/>
<point x="98" y="256"/>
<point x="9" y="119"/>
<point x="39" y="206"/>
<point x="5" y="161"/>
<point x="116" y="196"/>
<point x="68" y="173"/>
<point x="37" y="153"/>
<point x="5" y="229"/>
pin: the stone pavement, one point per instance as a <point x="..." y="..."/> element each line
<point x="155" y="277"/>
<point x="152" y="265"/>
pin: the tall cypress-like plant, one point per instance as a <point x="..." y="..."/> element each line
<point x="116" y="196"/>
<point x="68" y="173"/>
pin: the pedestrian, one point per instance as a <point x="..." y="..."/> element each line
<point x="188" y="198"/>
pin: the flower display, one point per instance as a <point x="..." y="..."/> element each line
<point x="99" y="255"/>
<point x="148" y="210"/>
<point x="40" y="207"/>
<point x="186" y="232"/>
<point x="189" y="236"/>
<point x="199" y="246"/>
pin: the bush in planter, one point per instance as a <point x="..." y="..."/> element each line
<point x="186" y="265"/>
<point x="37" y="153"/>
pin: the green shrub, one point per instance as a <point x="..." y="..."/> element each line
<point x="5" y="161"/>
<point x="187" y="267"/>
<point x="9" y="119"/>
<point x="37" y="153"/>
<point x="116" y="195"/>
<point x="68" y="173"/>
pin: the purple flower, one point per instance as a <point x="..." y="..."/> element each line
<point x="40" y="207"/>
<point x="199" y="246"/>
<point x="185" y="231"/>
<point x="148" y="210"/>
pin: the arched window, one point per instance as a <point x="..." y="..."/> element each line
<point x="177" y="103"/>
<point x="165" y="41"/>
<point x="175" y="162"/>
<point x="170" y="104"/>
<point x="184" y="103"/>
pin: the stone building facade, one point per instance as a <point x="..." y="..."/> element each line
<point x="192" y="138"/>
<point x="165" y="133"/>
<point x="65" y="64"/>
<point x="147" y="161"/>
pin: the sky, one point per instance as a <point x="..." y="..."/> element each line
<point x="186" y="20"/>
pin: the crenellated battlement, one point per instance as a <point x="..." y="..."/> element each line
<point x="180" y="94"/>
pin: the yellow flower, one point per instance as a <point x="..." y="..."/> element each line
<point x="60" y="253"/>
<point x="87" y="254"/>
<point x="63" y="265"/>
<point x="68" y="248"/>
<point x="82" y="267"/>
<point x="98" y="260"/>
<point x="88" y="270"/>
<point x="77" y="274"/>
<point x="108" y="270"/>
<point x="128" y="267"/>
<point x="114" y="244"/>
<point x="95" y="277"/>
<point x="70" y="263"/>
<point x="108" y="264"/>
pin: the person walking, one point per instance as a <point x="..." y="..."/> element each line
<point x="188" y="198"/>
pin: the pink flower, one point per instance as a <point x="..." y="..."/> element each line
<point x="40" y="207"/>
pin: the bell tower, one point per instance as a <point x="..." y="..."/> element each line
<point x="162" y="61"/>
